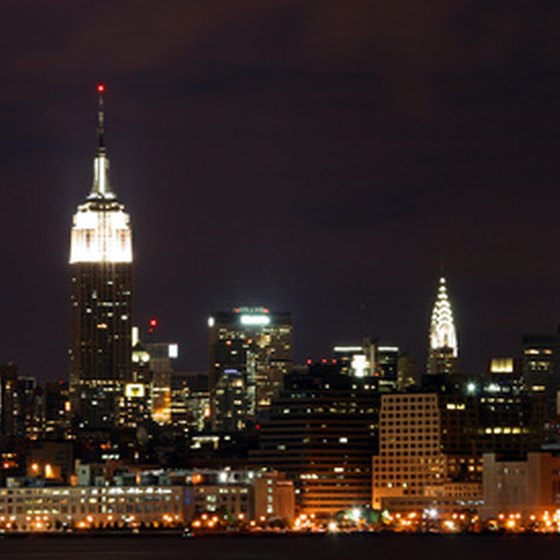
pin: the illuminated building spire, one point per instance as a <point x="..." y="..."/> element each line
<point x="101" y="187"/>
<point x="443" y="336"/>
<point x="101" y="230"/>
<point x="101" y="267"/>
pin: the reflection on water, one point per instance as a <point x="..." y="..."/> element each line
<point x="320" y="547"/>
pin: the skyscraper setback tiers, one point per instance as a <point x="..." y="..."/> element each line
<point x="101" y="297"/>
<point x="444" y="350"/>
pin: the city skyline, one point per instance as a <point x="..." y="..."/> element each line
<point x="278" y="155"/>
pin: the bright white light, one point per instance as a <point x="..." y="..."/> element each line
<point x="173" y="351"/>
<point x="356" y="514"/>
<point x="255" y="320"/>
<point x="211" y="322"/>
<point x="101" y="233"/>
<point x="432" y="513"/>
<point x="360" y="365"/>
<point x="346" y="349"/>
<point x="442" y="327"/>
<point x="471" y="387"/>
<point x="223" y="477"/>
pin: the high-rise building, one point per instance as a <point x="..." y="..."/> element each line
<point x="427" y="440"/>
<point x="52" y="411"/>
<point x="162" y="355"/>
<point x="371" y="359"/>
<point x="8" y="381"/>
<point x="444" y="350"/>
<point x="541" y="366"/>
<point x="250" y="352"/>
<point x="24" y="406"/>
<point x="101" y="297"/>
<point x="356" y="361"/>
<point x="322" y="432"/>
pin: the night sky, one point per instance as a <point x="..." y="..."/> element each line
<point x="320" y="157"/>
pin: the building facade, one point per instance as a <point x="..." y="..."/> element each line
<point x="529" y="486"/>
<point x="101" y="298"/>
<point x="250" y="353"/>
<point x="323" y="438"/>
<point x="443" y="347"/>
<point x="57" y="507"/>
<point x="8" y="382"/>
<point x="410" y="454"/>
<point x="430" y="440"/>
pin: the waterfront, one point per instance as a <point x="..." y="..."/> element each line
<point x="325" y="547"/>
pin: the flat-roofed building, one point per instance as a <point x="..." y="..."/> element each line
<point x="530" y="486"/>
<point x="53" y="508"/>
<point x="323" y="437"/>
<point x="410" y="454"/>
<point x="430" y="440"/>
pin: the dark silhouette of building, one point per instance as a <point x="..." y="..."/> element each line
<point x="322" y="432"/>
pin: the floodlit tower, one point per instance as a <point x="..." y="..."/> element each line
<point x="444" y="350"/>
<point x="101" y="297"/>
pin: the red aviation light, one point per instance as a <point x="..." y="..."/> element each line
<point x="100" y="88"/>
<point x="152" y="324"/>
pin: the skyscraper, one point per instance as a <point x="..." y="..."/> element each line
<point x="250" y="352"/>
<point x="8" y="382"/>
<point x="101" y="297"/>
<point x="444" y="351"/>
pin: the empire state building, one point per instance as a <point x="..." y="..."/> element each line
<point x="101" y="297"/>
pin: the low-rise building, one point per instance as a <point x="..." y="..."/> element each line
<point x="528" y="487"/>
<point x="53" y="508"/>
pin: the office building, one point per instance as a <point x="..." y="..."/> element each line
<point x="528" y="486"/>
<point x="322" y="432"/>
<point x="24" y="409"/>
<point x="53" y="411"/>
<point x="370" y="359"/>
<point x="101" y="297"/>
<point x="410" y="454"/>
<point x="250" y="353"/>
<point x="55" y="508"/>
<point x="8" y="382"/>
<point x="162" y="356"/>
<point x="443" y="347"/>
<point x="427" y="440"/>
<point x="541" y="366"/>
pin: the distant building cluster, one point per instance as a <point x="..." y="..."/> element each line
<point x="131" y="441"/>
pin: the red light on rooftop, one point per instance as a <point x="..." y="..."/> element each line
<point x="100" y="88"/>
<point x="153" y="323"/>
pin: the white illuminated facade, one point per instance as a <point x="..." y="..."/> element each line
<point x="101" y="233"/>
<point x="444" y="349"/>
<point x="101" y="228"/>
<point x="101" y="297"/>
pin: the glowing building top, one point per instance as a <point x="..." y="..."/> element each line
<point x="444" y="349"/>
<point x="101" y="227"/>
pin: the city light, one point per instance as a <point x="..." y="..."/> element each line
<point x="254" y="320"/>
